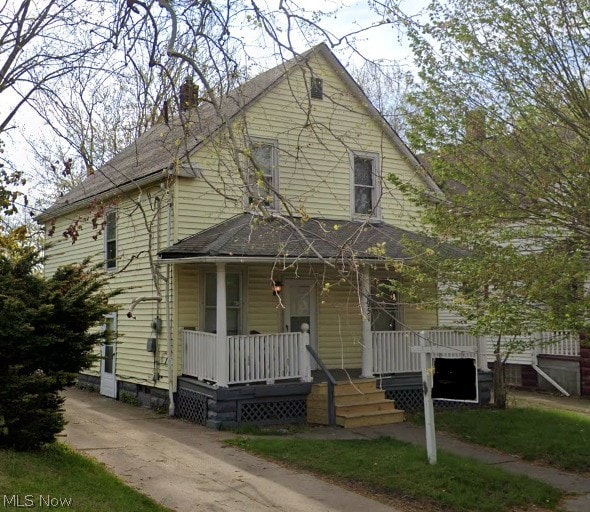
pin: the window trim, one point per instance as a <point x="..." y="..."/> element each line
<point x="375" y="214"/>
<point x="261" y="141"/>
<point x="108" y="267"/>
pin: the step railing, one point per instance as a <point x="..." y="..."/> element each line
<point x="331" y="383"/>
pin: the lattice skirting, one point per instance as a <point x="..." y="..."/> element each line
<point x="192" y="406"/>
<point x="271" y="411"/>
<point x="411" y="400"/>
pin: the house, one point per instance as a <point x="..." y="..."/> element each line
<point x="244" y="230"/>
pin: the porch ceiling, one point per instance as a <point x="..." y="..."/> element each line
<point x="250" y="236"/>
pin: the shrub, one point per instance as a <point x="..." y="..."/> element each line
<point x="45" y="340"/>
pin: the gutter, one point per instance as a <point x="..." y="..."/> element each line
<point x="261" y="259"/>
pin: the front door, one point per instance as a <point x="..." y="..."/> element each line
<point x="108" y="377"/>
<point x="300" y="308"/>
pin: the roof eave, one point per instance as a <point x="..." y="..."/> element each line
<point x="260" y="259"/>
<point x="102" y="196"/>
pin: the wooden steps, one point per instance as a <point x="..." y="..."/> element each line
<point x="358" y="404"/>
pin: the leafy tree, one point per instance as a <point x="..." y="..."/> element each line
<point x="503" y="124"/>
<point x="45" y="339"/>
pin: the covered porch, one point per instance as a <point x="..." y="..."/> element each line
<point x="252" y="293"/>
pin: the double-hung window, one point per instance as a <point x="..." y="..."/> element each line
<point x="385" y="308"/>
<point x="233" y="297"/>
<point x="110" y="240"/>
<point x="264" y="174"/>
<point x="365" y="189"/>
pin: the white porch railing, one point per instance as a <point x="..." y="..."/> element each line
<point x="264" y="357"/>
<point x="391" y="352"/>
<point x="392" y="349"/>
<point x="251" y="358"/>
<point x="198" y="354"/>
<point x="558" y="343"/>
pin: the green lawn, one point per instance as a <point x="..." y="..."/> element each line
<point x="557" y="438"/>
<point x="41" y="479"/>
<point x="396" y="469"/>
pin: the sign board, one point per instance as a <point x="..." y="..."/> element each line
<point x="455" y="380"/>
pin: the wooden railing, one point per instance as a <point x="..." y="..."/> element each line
<point x="558" y="343"/>
<point x="391" y="352"/>
<point x="264" y="357"/>
<point x="251" y="358"/>
<point x="392" y="349"/>
<point x="198" y="354"/>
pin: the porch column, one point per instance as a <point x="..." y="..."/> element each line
<point x="222" y="353"/>
<point x="367" y="338"/>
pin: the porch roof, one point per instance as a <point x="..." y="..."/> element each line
<point x="253" y="237"/>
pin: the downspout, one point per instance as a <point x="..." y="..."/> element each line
<point x="169" y="316"/>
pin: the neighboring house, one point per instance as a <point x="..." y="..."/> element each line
<point x="245" y="232"/>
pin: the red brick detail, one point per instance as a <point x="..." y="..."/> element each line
<point x="528" y="377"/>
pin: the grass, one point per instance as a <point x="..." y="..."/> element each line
<point x="556" y="438"/>
<point x="270" y="430"/>
<point x="400" y="470"/>
<point x="59" y="473"/>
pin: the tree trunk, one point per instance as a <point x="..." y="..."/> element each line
<point x="499" y="381"/>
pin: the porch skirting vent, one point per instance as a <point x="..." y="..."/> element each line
<point x="230" y="407"/>
<point x="271" y="411"/>
<point x="191" y="406"/>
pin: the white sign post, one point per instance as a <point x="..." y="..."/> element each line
<point x="426" y="368"/>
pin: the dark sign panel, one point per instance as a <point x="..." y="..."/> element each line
<point x="455" y="379"/>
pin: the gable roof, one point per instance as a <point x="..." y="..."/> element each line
<point x="152" y="156"/>
<point x="252" y="236"/>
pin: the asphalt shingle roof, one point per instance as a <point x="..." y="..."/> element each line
<point x="252" y="236"/>
<point x="160" y="146"/>
<point x="152" y="155"/>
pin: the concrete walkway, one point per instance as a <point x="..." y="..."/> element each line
<point x="186" y="467"/>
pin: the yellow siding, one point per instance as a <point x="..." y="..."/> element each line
<point x="314" y="143"/>
<point x="419" y="319"/>
<point x="265" y="314"/>
<point x="134" y="363"/>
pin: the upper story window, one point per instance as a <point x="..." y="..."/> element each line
<point x="365" y="189"/>
<point x="316" y="88"/>
<point x="264" y="174"/>
<point x="110" y="240"/>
